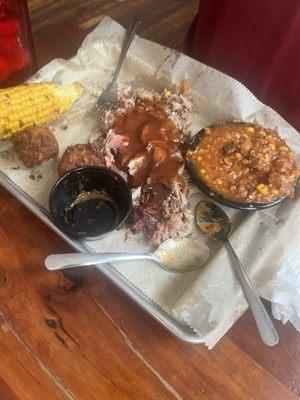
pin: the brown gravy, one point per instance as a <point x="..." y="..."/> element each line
<point x="153" y="147"/>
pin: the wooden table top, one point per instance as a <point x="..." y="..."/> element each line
<point x="77" y="336"/>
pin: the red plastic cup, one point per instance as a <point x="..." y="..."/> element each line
<point x="17" y="55"/>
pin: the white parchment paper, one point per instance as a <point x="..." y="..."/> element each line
<point x="210" y="300"/>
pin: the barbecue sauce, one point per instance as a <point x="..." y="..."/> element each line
<point x="153" y="148"/>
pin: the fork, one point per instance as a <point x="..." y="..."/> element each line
<point x="109" y="95"/>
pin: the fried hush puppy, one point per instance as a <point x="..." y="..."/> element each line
<point x="77" y="156"/>
<point x="36" y="145"/>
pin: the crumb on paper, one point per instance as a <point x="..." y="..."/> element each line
<point x="184" y="85"/>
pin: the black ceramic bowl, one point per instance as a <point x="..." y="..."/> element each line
<point x="89" y="202"/>
<point x="215" y="196"/>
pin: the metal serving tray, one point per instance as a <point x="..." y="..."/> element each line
<point x="181" y="331"/>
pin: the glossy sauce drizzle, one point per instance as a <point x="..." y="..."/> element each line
<point x="153" y="147"/>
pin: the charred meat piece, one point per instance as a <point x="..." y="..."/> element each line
<point x="283" y="164"/>
<point x="161" y="213"/>
<point x="36" y="145"/>
<point x="77" y="156"/>
<point x="260" y="164"/>
<point x="229" y="148"/>
<point x="281" y="183"/>
<point x="245" y="146"/>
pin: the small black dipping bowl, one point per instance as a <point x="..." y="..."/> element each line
<point x="89" y="202"/>
<point x="215" y="196"/>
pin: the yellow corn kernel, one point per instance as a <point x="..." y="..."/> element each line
<point x="202" y="171"/>
<point x="238" y="155"/>
<point x="245" y="161"/>
<point x="199" y="158"/>
<point x="167" y="93"/>
<point x="262" y="188"/>
<point x="250" y="129"/>
<point x="24" y="106"/>
<point x="263" y="134"/>
<point x="226" y="161"/>
<point x="283" y="148"/>
<point x="272" y="146"/>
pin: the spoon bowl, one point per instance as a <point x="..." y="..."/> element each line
<point x="182" y="254"/>
<point x="212" y="221"/>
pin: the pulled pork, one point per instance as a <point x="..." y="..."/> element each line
<point x="161" y="214"/>
<point x="143" y="144"/>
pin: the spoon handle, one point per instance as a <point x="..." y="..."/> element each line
<point x="72" y="260"/>
<point x="263" y="321"/>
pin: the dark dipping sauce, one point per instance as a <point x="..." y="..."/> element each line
<point x="151" y="150"/>
<point x="91" y="213"/>
<point x="89" y="202"/>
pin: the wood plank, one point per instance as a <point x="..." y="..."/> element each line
<point x="50" y="46"/>
<point x="6" y="391"/>
<point x="282" y="361"/>
<point x="165" y="22"/>
<point x="23" y="374"/>
<point x="99" y="343"/>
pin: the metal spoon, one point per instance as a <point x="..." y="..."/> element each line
<point x="173" y="255"/>
<point x="214" y="223"/>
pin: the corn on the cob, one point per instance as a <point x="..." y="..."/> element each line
<point x="32" y="104"/>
